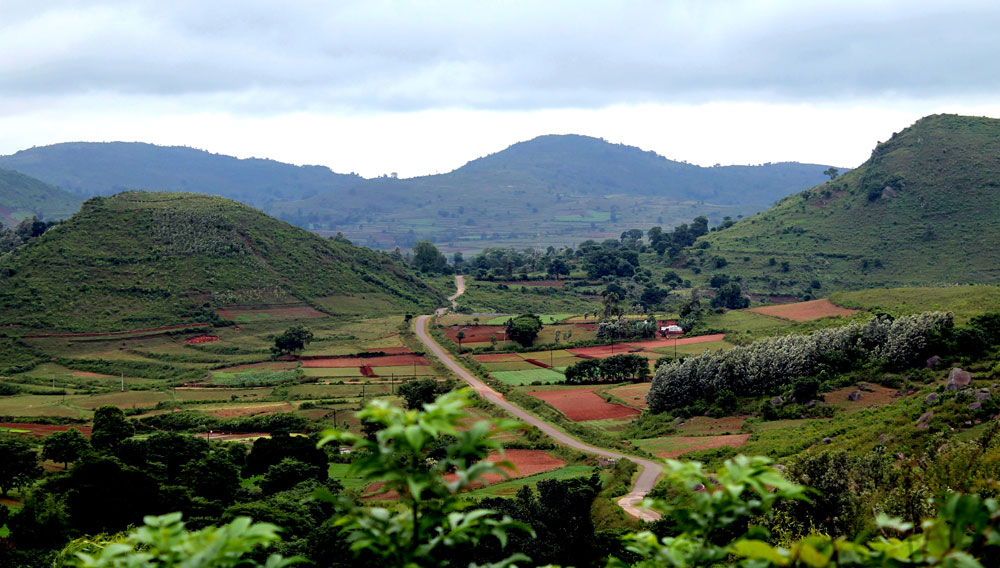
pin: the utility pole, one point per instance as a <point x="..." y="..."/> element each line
<point x="123" y="382"/>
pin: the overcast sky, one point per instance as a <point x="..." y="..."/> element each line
<point x="422" y="87"/>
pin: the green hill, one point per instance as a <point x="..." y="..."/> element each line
<point x="92" y="168"/>
<point x="140" y="259"/>
<point x="552" y="190"/>
<point x="924" y="209"/>
<point x="22" y="196"/>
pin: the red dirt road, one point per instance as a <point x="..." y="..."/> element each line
<point x="804" y="311"/>
<point x="580" y="405"/>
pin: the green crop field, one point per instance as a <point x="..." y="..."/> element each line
<point x="964" y="301"/>
<point x="529" y="376"/>
<point x="547" y="319"/>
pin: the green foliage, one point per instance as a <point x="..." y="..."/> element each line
<point x="292" y="340"/>
<point x="427" y="258"/>
<point x="110" y="429"/>
<point x="418" y="393"/>
<point x="65" y="447"/>
<point x="432" y="518"/>
<point x="730" y="296"/>
<point x="164" y="541"/>
<point x="524" y="329"/>
<point x="765" y="366"/>
<point x="18" y="462"/>
<point x="615" y="368"/>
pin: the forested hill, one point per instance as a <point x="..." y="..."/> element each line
<point x="22" y="196"/>
<point x="924" y="209"/>
<point x="91" y="168"/>
<point x="139" y="259"/>
<point x="552" y="190"/>
<point x="590" y="165"/>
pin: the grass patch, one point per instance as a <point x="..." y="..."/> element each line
<point x="529" y="376"/>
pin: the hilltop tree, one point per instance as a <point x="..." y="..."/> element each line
<point x="293" y="340"/>
<point x="832" y="172"/>
<point x="18" y="463"/>
<point x="64" y="447"/>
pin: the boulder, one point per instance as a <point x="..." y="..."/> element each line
<point x="827" y="440"/>
<point x="699" y="487"/>
<point x="865" y="387"/>
<point x="925" y="420"/>
<point x="854" y="396"/>
<point x="777" y="400"/>
<point x="931" y="398"/>
<point x="983" y="394"/>
<point x="975" y="405"/>
<point x="958" y="379"/>
<point x="933" y="362"/>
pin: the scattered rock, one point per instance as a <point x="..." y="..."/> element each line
<point x="883" y="438"/>
<point x="827" y="440"/>
<point x="865" y="387"/>
<point x="975" y="405"/>
<point x="699" y="487"/>
<point x="854" y="396"/>
<point x="957" y="379"/>
<point x="933" y="362"/>
<point x="900" y="456"/>
<point x="925" y="420"/>
<point x="931" y="398"/>
<point x="682" y="424"/>
<point x="983" y="394"/>
<point x="777" y="400"/>
<point x="779" y="467"/>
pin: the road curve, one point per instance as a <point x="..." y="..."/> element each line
<point x="648" y="473"/>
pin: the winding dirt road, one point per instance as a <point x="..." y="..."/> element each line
<point x="649" y="471"/>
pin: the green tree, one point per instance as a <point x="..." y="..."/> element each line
<point x="460" y="336"/>
<point x="65" y="447"/>
<point x="288" y="473"/>
<point x="292" y="340"/>
<point x="524" y="329"/>
<point x="427" y="258"/>
<point x="416" y="394"/>
<point x="110" y="429"/>
<point x="831" y="172"/>
<point x="431" y="518"/>
<point x="18" y="463"/>
<point x="730" y="296"/>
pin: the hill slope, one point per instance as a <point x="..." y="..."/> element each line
<point x="924" y="209"/>
<point x="552" y="190"/>
<point x="90" y="168"/>
<point x="141" y="259"/>
<point x="22" y="196"/>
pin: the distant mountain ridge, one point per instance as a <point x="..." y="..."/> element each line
<point x="924" y="209"/>
<point x="22" y="196"/>
<point x="106" y="168"/>
<point x="139" y="260"/>
<point x="552" y="190"/>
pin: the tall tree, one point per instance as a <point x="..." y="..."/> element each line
<point x="65" y="447"/>
<point x="111" y="428"/>
<point x="18" y="463"/>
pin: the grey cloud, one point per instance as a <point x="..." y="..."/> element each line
<point x="499" y="55"/>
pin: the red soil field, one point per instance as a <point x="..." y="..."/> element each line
<point x="526" y="462"/>
<point x="476" y="333"/>
<point x="705" y="443"/>
<point x="633" y="395"/>
<point x="42" y="430"/>
<point x="385" y="361"/>
<point x="497" y="357"/>
<point x="538" y="363"/>
<point x="602" y="351"/>
<point x="203" y="339"/>
<point x="399" y="350"/>
<point x="366" y="371"/>
<point x="269" y="365"/>
<point x="252" y="410"/>
<point x="804" y="311"/>
<point x="90" y="375"/>
<point x="682" y="341"/>
<point x="580" y="405"/>
<point x="289" y="312"/>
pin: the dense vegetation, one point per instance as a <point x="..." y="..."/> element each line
<point x="922" y="210"/>
<point x="22" y="197"/>
<point x="140" y="260"/>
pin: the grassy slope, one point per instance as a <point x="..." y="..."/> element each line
<point x="924" y="209"/>
<point x="143" y="259"/>
<point x="22" y="196"/>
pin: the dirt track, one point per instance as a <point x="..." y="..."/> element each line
<point x="649" y="472"/>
